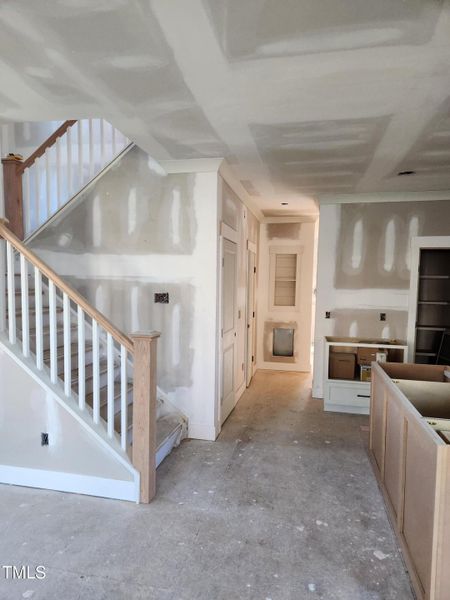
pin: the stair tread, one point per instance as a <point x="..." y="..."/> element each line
<point x="73" y="350"/>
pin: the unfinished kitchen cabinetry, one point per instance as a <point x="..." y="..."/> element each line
<point x="348" y="368"/>
<point x="433" y="303"/>
<point x="410" y="451"/>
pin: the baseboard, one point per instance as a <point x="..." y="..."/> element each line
<point x="202" y="431"/>
<point x="317" y="391"/>
<point x="70" y="482"/>
<point x="343" y="408"/>
<point x="292" y="367"/>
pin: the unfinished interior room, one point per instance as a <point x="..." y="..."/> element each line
<point x="225" y="299"/>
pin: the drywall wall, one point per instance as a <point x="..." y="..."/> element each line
<point x="27" y="409"/>
<point x="364" y="268"/>
<point x="138" y="231"/>
<point x="293" y="236"/>
<point x="23" y="138"/>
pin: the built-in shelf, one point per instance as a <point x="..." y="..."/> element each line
<point x="433" y="313"/>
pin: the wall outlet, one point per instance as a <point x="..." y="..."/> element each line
<point x="382" y="316"/>
<point x="162" y="298"/>
<point x="328" y="315"/>
<point x="44" y="439"/>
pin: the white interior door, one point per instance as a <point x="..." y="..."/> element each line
<point x="229" y="322"/>
<point x="251" y="316"/>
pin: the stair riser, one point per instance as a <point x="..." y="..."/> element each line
<point x="74" y="361"/>
<point x="104" y="407"/>
<point x="32" y="319"/>
<point x="103" y="381"/>
<point x="46" y="340"/>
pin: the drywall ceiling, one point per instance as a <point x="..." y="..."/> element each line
<point x="303" y="97"/>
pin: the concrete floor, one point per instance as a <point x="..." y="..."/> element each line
<point x="283" y="506"/>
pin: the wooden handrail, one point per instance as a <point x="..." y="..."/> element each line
<point x="62" y="285"/>
<point x="48" y="142"/>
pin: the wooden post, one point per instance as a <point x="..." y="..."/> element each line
<point x="144" y="411"/>
<point x="12" y="186"/>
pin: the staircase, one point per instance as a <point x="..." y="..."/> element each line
<point x="105" y="379"/>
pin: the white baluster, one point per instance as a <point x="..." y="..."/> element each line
<point x="102" y="143"/>
<point x="24" y="306"/>
<point x="67" y="346"/>
<point x="81" y="360"/>
<point x="27" y="200"/>
<point x="37" y="198"/>
<point x="59" y="200"/>
<point x="95" y="372"/>
<point x="39" y="322"/>
<point x="53" y="332"/>
<point x="110" y="382"/>
<point x="69" y="163"/>
<point x="80" y="153"/>
<point x="113" y="141"/>
<point x="2" y="285"/>
<point x="48" y="183"/>
<point x="123" y="397"/>
<point x="11" y="293"/>
<point x="91" y="149"/>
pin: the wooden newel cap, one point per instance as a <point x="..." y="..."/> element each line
<point x="145" y="335"/>
<point x="11" y="157"/>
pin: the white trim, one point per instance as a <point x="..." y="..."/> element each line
<point x="273" y="252"/>
<point x="325" y="199"/>
<point x="203" y="431"/>
<point x="228" y="233"/>
<point x="70" y="482"/>
<point x="252" y="247"/>
<point x="294" y="367"/>
<point x="191" y="165"/>
<point x="417" y="244"/>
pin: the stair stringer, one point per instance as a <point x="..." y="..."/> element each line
<point x="122" y="487"/>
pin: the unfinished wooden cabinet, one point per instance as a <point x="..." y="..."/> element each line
<point x="410" y="450"/>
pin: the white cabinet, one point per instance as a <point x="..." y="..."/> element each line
<point x="351" y="395"/>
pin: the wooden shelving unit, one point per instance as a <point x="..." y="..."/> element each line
<point x="433" y="304"/>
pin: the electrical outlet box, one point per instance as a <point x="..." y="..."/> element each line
<point x="328" y="315"/>
<point x="162" y="298"/>
<point x="382" y="316"/>
<point x="44" y="439"/>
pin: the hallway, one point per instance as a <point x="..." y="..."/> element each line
<point x="283" y="506"/>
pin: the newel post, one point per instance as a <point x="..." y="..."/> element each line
<point x="12" y="187"/>
<point x="144" y="411"/>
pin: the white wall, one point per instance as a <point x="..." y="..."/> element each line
<point x="364" y="268"/>
<point x="296" y="235"/>
<point x="28" y="409"/>
<point x="137" y="231"/>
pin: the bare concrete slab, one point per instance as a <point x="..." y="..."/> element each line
<point x="284" y="506"/>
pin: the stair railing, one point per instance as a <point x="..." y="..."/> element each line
<point x="141" y="348"/>
<point x="35" y="189"/>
